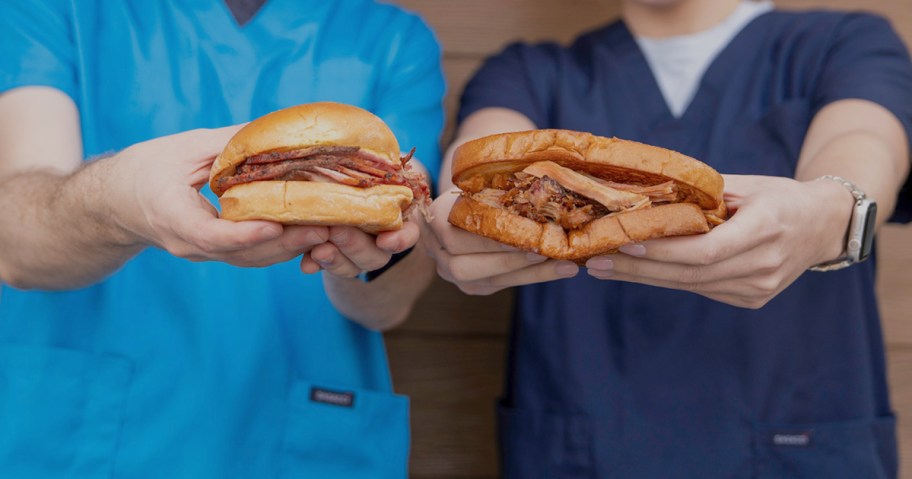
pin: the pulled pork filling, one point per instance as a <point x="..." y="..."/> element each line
<point x="543" y="199"/>
<point x="347" y="165"/>
<point x="545" y="191"/>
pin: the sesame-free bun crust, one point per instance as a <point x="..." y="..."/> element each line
<point x="301" y="126"/>
<point x="602" y="236"/>
<point x="374" y="209"/>
<point x="617" y="160"/>
<point x="699" y="191"/>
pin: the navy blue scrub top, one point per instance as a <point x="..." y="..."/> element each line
<point x="615" y="380"/>
<point x="170" y="368"/>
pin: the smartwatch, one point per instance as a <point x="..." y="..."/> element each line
<point x="860" y="237"/>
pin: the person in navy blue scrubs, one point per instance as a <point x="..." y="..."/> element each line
<point x="140" y="335"/>
<point x="717" y="355"/>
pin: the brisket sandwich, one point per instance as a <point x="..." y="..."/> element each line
<point x="571" y="195"/>
<point x="318" y="164"/>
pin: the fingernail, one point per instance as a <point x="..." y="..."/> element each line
<point x="324" y="262"/>
<point x="566" y="268"/>
<point x="633" y="249"/>
<point x="535" y="257"/>
<point x="601" y="274"/>
<point x="387" y="248"/>
<point x="602" y="264"/>
<point x="507" y="247"/>
<point x="307" y="270"/>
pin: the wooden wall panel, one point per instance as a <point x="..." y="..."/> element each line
<point x="894" y="288"/>
<point x="453" y="381"/>
<point x="449" y="356"/>
<point x="444" y="310"/>
<point x="901" y="383"/>
<point x="458" y="71"/>
<point x="469" y="28"/>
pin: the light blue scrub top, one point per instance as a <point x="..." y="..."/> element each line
<point x="177" y="369"/>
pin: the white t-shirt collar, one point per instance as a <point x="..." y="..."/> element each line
<point x="679" y="63"/>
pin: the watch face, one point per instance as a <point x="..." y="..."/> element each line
<point x="867" y="241"/>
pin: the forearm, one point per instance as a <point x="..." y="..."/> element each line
<point x="863" y="143"/>
<point x="386" y="301"/>
<point x="57" y="230"/>
<point x="866" y="160"/>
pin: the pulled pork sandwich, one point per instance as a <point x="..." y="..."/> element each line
<point x="571" y="195"/>
<point x="318" y="164"/>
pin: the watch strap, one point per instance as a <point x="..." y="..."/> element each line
<point x="395" y="258"/>
<point x="852" y="245"/>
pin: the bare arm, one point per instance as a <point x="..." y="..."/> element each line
<point x="66" y="225"/>
<point x="386" y="301"/>
<point x="53" y="224"/>
<point x="860" y="141"/>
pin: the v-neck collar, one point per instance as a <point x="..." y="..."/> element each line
<point x="257" y="17"/>
<point x="244" y="10"/>
<point x="622" y="42"/>
<point x="217" y="18"/>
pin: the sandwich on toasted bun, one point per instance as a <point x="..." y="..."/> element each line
<point x="317" y="164"/>
<point x="571" y="195"/>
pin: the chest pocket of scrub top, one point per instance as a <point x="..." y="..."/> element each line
<point x="855" y="449"/>
<point x="769" y="145"/>
<point x="60" y="412"/>
<point x="345" y="433"/>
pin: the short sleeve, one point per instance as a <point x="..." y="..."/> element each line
<point x="520" y="78"/>
<point x="868" y="61"/>
<point x="36" y="45"/>
<point x="410" y="96"/>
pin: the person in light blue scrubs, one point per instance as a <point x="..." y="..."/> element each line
<point x="133" y="342"/>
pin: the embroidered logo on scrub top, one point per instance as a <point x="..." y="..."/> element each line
<point x="335" y="398"/>
<point x="792" y="438"/>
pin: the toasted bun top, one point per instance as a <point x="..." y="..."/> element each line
<point x="613" y="159"/>
<point x="310" y="124"/>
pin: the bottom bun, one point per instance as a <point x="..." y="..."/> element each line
<point x="602" y="236"/>
<point x="374" y="209"/>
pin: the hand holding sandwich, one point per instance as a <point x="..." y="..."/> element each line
<point x="160" y="205"/>
<point x="73" y="224"/>
<point x="564" y="195"/>
<point x="338" y="168"/>
<point x="781" y="226"/>
<point x="103" y="213"/>
<point x="328" y="165"/>
<point x="479" y="265"/>
<point x="768" y="242"/>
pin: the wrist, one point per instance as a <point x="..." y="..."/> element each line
<point x="859" y="237"/>
<point x="833" y="210"/>
<point x="369" y="276"/>
<point x="114" y="205"/>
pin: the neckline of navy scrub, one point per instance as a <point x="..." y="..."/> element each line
<point x="621" y="41"/>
